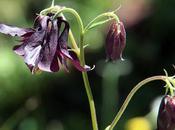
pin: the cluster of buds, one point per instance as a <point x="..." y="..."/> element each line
<point x="45" y="44"/>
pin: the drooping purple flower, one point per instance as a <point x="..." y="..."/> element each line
<point x="166" y="115"/>
<point x="44" y="45"/>
<point x="115" y="41"/>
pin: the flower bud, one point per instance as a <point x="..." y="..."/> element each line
<point x="166" y="115"/>
<point x="115" y="41"/>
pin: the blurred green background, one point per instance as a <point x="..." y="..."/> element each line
<point x="58" y="101"/>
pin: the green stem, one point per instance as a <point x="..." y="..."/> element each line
<point x="73" y="42"/>
<point x="91" y="101"/>
<point x="53" y="3"/>
<point x="84" y="74"/>
<point x="128" y="98"/>
<point x="108" y="14"/>
<point x="82" y="60"/>
<point x="77" y="16"/>
<point x="87" y="86"/>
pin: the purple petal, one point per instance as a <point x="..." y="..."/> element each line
<point x="14" y="31"/>
<point x="41" y="22"/>
<point x="31" y="56"/>
<point x="63" y="38"/>
<point x="74" y="59"/>
<point x="19" y="49"/>
<point x="63" y="61"/>
<point x="32" y="44"/>
<point x="110" y="39"/>
<point x="34" y="39"/>
<point x="122" y="38"/>
<point x="116" y="49"/>
<point x="48" y="61"/>
<point x="63" y="51"/>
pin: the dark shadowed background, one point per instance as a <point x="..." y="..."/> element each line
<point x="57" y="101"/>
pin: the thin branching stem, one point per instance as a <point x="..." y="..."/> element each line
<point x="130" y="95"/>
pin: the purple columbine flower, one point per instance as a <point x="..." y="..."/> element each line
<point x="45" y="44"/>
<point x="115" y="41"/>
<point x="166" y="115"/>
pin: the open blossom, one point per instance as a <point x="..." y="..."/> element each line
<point x="43" y="45"/>
<point x="166" y="115"/>
<point x="115" y="41"/>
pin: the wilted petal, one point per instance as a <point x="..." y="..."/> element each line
<point x="40" y="22"/>
<point x="19" y="49"/>
<point x="63" y="61"/>
<point x="48" y="61"/>
<point x="32" y="44"/>
<point x="63" y="37"/>
<point x="71" y="55"/>
<point x="63" y="51"/>
<point x="75" y="61"/>
<point x="62" y="42"/>
<point x="14" y="31"/>
<point x="34" y="39"/>
<point x="31" y="56"/>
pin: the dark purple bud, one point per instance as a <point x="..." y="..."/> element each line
<point x="166" y="115"/>
<point x="115" y="41"/>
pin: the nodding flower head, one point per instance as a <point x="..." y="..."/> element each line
<point x="45" y="44"/>
<point x="166" y="115"/>
<point x="115" y="41"/>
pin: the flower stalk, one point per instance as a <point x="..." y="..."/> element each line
<point x="57" y="11"/>
<point x="110" y="15"/>
<point x="129" y="97"/>
<point x="87" y="85"/>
